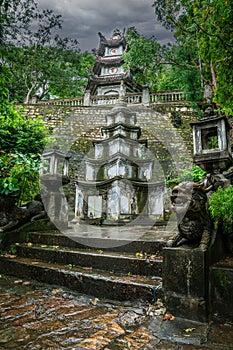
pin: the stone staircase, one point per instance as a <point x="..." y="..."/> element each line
<point x="107" y="267"/>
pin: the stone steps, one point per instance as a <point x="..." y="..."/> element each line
<point x="97" y="259"/>
<point x="92" y="282"/>
<point x="110" y="268"/>
<point x="55" y="238"/>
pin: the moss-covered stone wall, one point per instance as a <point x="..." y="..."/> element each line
<point x="76" y="126"/>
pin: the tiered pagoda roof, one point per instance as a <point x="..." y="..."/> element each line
<point x="108" y="71"/>
<point x="118" y="182"/>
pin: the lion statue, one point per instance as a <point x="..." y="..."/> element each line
<point x="189" y="202"/>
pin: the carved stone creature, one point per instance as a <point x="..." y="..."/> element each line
<point x="12" y="216"/>
<point x="189" y="202"/>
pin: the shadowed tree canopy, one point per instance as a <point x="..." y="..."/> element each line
<point x="167" y="67"/>
<point x="207" y="26"/>
<point x="35" y="59"/>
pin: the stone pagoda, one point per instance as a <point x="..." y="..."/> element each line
<point x="119" y="182"/>
<point x="108" y="71"/>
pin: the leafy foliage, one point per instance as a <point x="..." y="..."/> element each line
<point x="142" y="58"/>
<point x="194" y="173"/>
<point x="205" y="25"/>
<point x="35" y="58"/>
<point x="168" y="67"/>
<point x="19" y="133"/>
<point x="20" y="176"/>
<point x="181" y="71"/>
<point x="221" y="207"/>
<point x="47" y="71"/>
<point x="21" y="142"/>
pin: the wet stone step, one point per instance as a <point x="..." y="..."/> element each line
<point x="95" y="282"/>
<point x="55" y="238"/>
<point x="139" y="264"/>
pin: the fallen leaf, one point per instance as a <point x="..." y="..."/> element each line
<point x="18" y="281"/>
<point x="95" y="301"/>
<point x="139" y="255"/>
<point x="168" y="317"/>
<point x="55" y="291"/>
<point x="188" y="330"/>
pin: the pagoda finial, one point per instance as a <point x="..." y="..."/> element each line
<point x="116" y="33"/>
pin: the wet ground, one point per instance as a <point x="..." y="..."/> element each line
<point x="38" y="316"/>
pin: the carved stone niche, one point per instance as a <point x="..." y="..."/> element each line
<point x="211" y="143"/>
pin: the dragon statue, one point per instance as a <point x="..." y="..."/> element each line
<point x="189" y="202"/>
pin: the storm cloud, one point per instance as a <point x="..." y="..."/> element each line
<point x="83" y="19"/>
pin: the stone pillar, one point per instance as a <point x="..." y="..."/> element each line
<point x="185" y="282"/>
<point x="145" y="96"/>
<point x="34" y="99"/>
<point x="87" y="98"/>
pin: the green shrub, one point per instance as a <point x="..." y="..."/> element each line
<point x="221" y="207"/>
<point x="22" y="141"/>
<point x="194" y="173"/>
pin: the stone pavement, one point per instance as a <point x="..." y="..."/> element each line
<point x="39" y="316"/>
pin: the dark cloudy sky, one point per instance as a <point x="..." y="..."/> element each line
<point x="83" y="19"/>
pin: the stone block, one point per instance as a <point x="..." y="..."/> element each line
<point x="185" y="276"/>
<point x="221" y="285"/>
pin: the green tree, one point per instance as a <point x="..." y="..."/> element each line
<point x="47" y="71"/>
<point x="206" y="25"/>
<point x="167" y="67"/>
<point x="142" y="58"/>
<point x="181" y="71"/>
<point x="36" y="60"/>
<point x="71" y="76"/>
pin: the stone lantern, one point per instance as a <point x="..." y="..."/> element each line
<point x="55" y="163"/>
<point x="211" y="143"/>
<point x="53" y="175"/>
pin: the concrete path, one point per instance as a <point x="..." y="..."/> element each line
<point x="38" y="316"/>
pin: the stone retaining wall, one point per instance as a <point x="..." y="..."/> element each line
<point x="75" y="128"/>
<point x="86" y="122"/>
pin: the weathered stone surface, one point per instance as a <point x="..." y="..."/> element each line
<point x="185" y="282"/>
<point x="65" y="320"/>
<point x="221" y="286"/>
<point x="184" y="271"/>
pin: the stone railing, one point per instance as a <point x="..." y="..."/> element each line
<point x="79" y="101"/>
<point x="169" y="96"/>
<point x="131" y="98"/>
<point x="104" y="100"/>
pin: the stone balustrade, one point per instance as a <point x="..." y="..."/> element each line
<point x="78" y="101"/>
<point x="166" y="96"/>
<point x="131" y="98"/>
<point x="104" y="100"/>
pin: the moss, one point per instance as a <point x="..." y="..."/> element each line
<point x="220" y="280"/>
